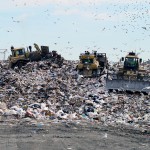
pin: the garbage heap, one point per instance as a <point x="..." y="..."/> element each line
<point x="44" y="91"/>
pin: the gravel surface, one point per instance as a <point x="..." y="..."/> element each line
<point x="71" y="136"/>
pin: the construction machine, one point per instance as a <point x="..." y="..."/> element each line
<point x="18" y="57"/>
<point x="92" y="64"/>
<point x="130" y="76"/>
<point x="21" y="56"/>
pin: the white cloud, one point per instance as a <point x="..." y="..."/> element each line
<point x="66" y="12"/>
<point x="62" y="2"/>
<point x="81" y="1"/>
<point x="24" y="16"/>
<point x="73" y="7"/>
<point x="89" y="14"/>
<point x="14" y="4"/>
<point x="21" y="3"/>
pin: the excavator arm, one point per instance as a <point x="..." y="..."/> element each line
<point x="37" y="47"/>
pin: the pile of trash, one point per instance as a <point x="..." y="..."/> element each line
<point x="44" y="91"/>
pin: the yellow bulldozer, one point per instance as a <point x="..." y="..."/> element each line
<point x="92" y="64"/>
<point x="130" y="76"/>
<point x="21" y="56"/>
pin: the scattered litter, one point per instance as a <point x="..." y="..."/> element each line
<point x="51" y="93"/>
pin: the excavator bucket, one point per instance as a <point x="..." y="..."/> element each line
<point x="128" y="85"/>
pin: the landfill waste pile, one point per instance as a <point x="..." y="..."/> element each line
<point x="44" y="91"/>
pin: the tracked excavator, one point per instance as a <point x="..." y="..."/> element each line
<point x="92" y="64"/>
<point x="21" y="56"/>
<point x="130" y="76"/>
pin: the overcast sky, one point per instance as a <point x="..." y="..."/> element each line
<point x="74" y="26"/>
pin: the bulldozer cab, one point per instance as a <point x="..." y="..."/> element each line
<point x="87" y="58"/>
<point x="131" y="63"/>
<point x="18" y="57"/>
<point x="87" y="61"/>
<point x="18" y="52"/>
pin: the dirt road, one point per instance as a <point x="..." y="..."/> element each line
<point x="70" y="136"/>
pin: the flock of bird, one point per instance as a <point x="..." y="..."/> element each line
<point x="128" y="18"/>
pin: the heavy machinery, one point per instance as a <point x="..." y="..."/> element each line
<point x="130" y="76"/>
<point x="20" y="56"/>
<point x="92" y="64"/>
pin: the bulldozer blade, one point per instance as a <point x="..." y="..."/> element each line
<point x="128" y="85"/>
